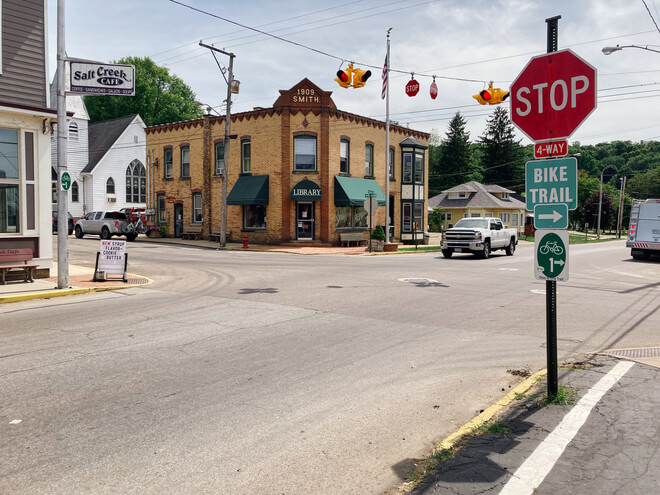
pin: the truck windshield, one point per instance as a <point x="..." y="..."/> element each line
<point x="472" y="223"/>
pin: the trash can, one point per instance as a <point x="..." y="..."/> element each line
<point x="427" y="238"/>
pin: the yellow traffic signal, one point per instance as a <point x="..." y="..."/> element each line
<point x="345" y="77"/>
<point x="491" y="96"/>
<point x="360" y="77"/>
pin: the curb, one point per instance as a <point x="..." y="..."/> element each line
<point x="488" y="414"/>
<point x="70" y="292"/>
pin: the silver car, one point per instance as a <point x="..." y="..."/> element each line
<point x="103" y="223"/>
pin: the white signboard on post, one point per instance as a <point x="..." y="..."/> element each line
<point x="102" y="79"/>
<point x="112" y="257"/>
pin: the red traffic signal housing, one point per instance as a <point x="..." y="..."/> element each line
<point x="360" y="77"/>
<point x="345" y="77"/>
<point x="491" y="96"/>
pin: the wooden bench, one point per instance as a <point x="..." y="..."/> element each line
<point x="24" y="255"/>
<point x="215" y="235"/>
<point x="192" y="232"/>
<point x="348" y="237"/>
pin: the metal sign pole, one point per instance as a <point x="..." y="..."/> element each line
<point x="551" y="285"/>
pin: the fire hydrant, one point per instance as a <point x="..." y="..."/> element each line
<point x="245" y="240"/>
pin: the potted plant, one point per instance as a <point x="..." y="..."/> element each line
<point x="378" y="238"/>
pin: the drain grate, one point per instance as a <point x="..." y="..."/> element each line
<point x="642" y="352"/>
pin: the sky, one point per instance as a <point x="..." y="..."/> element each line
<point x="464" y="43"/>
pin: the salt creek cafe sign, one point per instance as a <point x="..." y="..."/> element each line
<point x="102" y="79"/>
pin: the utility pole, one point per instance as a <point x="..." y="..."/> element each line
<point x="621" y="198"/>
<point x="62" y="130"/>
<point x="223" y="221"/>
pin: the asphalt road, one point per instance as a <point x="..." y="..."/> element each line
<point x="274" y="373"/>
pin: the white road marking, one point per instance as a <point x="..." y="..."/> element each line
<point x="538" y="291"/>
<point x="536" y="467"/>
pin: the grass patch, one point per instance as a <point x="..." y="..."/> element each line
<point x="582" y="239"/>
<point x="493" y="428"/>
<point x="565" y="395"/>
<point x="420" y="248"/>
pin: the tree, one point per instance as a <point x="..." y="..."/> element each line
<point x="645" y="185"/>
<point x="455" y="158"/>
<point x="501" y="162"/>
<point x="608" y="213"/>
<point x="160" y="97"/>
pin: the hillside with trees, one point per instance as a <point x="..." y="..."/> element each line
<point x="496" y="157"/>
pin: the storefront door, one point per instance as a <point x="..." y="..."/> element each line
<point x="178" y="220"/>
<point x="304" y="221"/>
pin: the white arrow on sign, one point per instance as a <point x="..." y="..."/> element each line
<point x="554" y="216"/>
<point x="560" y="262"/>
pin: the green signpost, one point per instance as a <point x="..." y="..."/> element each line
<point x="551" y="182"/>
<point x="65" y="180"/>
<point x="551" y="255"/>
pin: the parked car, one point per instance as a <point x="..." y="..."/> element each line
<point x="70" y="222"/>
<point x="480" y="236"/>
<point x="103" y="223"/>
<point x="135" y="212"/>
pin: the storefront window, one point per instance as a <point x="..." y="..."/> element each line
<point x="351" y="217"/>
<point x="246" y="157"/>
<point x="369" y="160"/>
<point x="9" y="209"/>
<point x="361" y="217"/>
<point x="254" y="216"/>
<point x="161" y="208"/>
<point x="304" y="153"/>
<point x="391" y="163"/>
<point x="219" y="158"/>
<point x="8" y="154"/>
<point x="419" y="168"/>
<point x="407" y="167"/>
<point x="167" y="167"/>
<point x="407" y="217"/>
<point x="185" y="161"/>
<point x="197" y="208"/>
<point x="343" y="157"/>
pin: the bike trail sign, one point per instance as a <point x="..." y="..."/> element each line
<point x="551" y="255"/>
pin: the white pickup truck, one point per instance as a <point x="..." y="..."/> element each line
<point x="479" y="236"/>
<point x="644" y="231"/>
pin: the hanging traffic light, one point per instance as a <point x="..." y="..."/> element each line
<point x="491" y="96"/>
<point x="360" y="77"/>
<point x="345" y="77"/>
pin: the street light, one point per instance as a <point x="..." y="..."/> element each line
<point x="600" y="198"/>
<point x="609" y="50"/>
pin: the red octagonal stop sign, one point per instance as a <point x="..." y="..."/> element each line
<point x="553" y="95"/>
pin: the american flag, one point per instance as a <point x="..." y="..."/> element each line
<point x="384" y="91"/>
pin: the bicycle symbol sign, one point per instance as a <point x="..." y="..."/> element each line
<point x="551" y="255"/>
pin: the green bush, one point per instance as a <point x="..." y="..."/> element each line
<point x="378" y="233"/>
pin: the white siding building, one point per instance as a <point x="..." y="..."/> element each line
<point x="115" y="176"/>
<point x="77" y="155"/>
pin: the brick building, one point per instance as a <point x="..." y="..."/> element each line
<point x="299" y="171"/>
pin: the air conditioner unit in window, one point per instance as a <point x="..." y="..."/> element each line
<point x="112" y="199"/>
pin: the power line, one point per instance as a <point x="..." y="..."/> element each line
<point x="651" y="15"/>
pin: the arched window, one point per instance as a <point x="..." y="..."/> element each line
<point x="136" y="182"/>
<point x="73" y="131"/>
<point x="110" y="186"/>
<point x="74" y="192"/>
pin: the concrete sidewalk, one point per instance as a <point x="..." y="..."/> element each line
<point x="81" y="281"/>
<point x="605" y="442"/>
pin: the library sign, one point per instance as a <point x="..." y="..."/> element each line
<point x="102" y="79"/>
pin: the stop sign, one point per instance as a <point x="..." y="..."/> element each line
<point x="412" y="88"/>
<point x="553" y="95"/>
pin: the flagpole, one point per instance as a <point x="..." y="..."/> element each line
<point x="387" y="143"/>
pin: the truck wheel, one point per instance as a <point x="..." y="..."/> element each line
<point x="447" y="253"/>
<point x="511" y="248"/>
<point x="105" y="233"/>
<point x="131" y="237"/>
<point x="486" y="252"/>
<point x="79" y="232"/>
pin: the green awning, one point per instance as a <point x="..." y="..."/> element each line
<point x="306" y="190"/>
<point x="249" y="190"/>
<point x="352" y="191"/>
